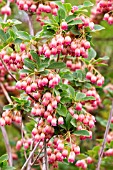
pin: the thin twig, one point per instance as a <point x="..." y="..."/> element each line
<point x="7" y="145"/>
<point x="58" y="57"/>
<point x="8" y="69"/>
<point x="30" y="155"/>
<point x="29" y="163"/>
<point x="5" y="93"/>
<point x="31" y="30"/>
<point x="37" y="156"/>
<point x="105" y="137"/>
<point x="45" y="160"/>
<point x="22" y="134"/>
<point x="10" y="101"/>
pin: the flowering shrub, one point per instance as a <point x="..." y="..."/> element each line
<point x="53" y="73"/>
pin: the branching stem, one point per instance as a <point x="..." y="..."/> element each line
<point x="105" y="137"/>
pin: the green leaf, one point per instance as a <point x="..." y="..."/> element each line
<point x="60" y="4"/>
<point x="76" y="22"/>
<point x="97" y="28"/>
<point x="73" y="122"/>
<point x="57" y="65"/>
<point x="81" y="156"/>
<point x="61" y="14"/>
<point x="68" y="7"/>
<point x="8" y="107"/>
<point x="16" y="99"/>
<point x="9" y="50"/>
<point x="102" y="64"/>
<point x="3" y="158"/>
<point x="35" y="57"/>
<point x="80" y="96"/>
<point x="68" y="120"/>
<point x="87" y="4"/>
<point x="67" y="75"/>
<point x="70" y="18"/>
<point x="63" y="86"/>
<point x="71" y="91"/>
<point x="62" y="111"/>
<point x="65" y="100"/>
<point x="2" y="36"/>
<point x="29" y="63"/>
<point x="81" y="133"/>
<point x="88" y="98"/>
<point x="88" y="85"/>
<point x="105" y="58"/>
<point x="23" y="35"/>
<point x="16" y="22"/>
<point x="25" y="71"/>
<point x="91" y="53"/>
<point x="79" y="74"/>
<point x="101" y="59"/>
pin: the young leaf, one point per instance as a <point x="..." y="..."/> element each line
<point x="101" y="59"/>
<point x="23" y="35"/>
<point x="75" y="22"/>
<point x="81" y="156"/>
<point x="82" y="133"/>
<point x="35" y="57"/>
<point x="97" y="28"/>
<point x="2" y="36"/>
<point x="88" y="85"/>
<point x="73" y="122"/>
<point x="68" y="7"/>
<point x="80" y="96"/>
<point x="71" y="91"/>
<point x="25" y="71"/>
<point x="8" y="107"/>
<point x="60" y="4"/>
<point x="61" y="14"/>
<point x="3" y="158"/>
<point x="91" y="53"/>
<point x="16" y="22"/>
<point x="88" y="98"/>
<point x="87" y="4"/>
<point x="70" y="18"/>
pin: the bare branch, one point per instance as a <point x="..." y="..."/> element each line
<point x="29" y="163"/>
<point x="37" y="156"/>
<point x="30" y="155"/>
<point x="5" y="93"/>
<point x="10" y="101"/>
<point x="105" y="137"/>
<point x="22" y="133"/>
<point x="31" y="30"/>
<point x="8" y="69"/>
<point x="7" y="145"/>
<point x="45" y="159"/>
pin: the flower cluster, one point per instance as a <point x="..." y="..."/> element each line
<point x="103" y="9"/>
